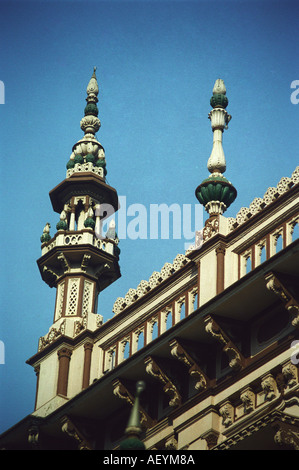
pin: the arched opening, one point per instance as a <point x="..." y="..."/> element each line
<point x="155" y="330"/>
<point x="140" y="342"/>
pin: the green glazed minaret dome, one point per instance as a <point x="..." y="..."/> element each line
<point x="218" y="101"/>
<point x="91" y="109"/>
<point x="216" y="188"/>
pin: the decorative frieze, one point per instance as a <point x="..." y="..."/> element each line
<point x="53" y="334"/>
<point x="144" y="287"/>
<point x="258" y="204"/>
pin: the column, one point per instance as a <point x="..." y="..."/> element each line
<point x="87" y="363"/>
<point x="64" y="357"/>
<point x="220" y="253"/>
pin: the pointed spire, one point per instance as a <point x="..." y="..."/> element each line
<point x="133" y="429"/>
<point x="90" y="124"/>
<point x="88" y="153"/>
<point x="216" y="193"/>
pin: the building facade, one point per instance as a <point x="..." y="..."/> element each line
<point x="213" y="335"/>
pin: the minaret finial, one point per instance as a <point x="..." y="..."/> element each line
<point x="219" y="121"/>
<point x="216" y="193"/>
<point x="88" y="151"/>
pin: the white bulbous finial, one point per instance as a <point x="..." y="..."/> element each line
<point x="92" y="87"/>
<point x="219" y="87"/>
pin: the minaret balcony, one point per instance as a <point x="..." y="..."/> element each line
<point x="85" y="167"/>
<point x="79" y="252"/>
<point x="65" y="238"/>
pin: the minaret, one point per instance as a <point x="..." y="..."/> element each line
<point x="78" y="261"/>
<point x="216" y="193"/>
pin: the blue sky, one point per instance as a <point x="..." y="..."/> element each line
<point x="157" y="62"/>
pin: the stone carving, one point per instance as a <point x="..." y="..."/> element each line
<point x="120" y="391"/>
<point x="269" y="387"/>
<point x="33" y="436"/>
<point x="155" y="279"/>
<point x="194" y="370"/>
<point x="72" y="430"/>
<point x="276" y="286"/>
<point x="64" y="263"/>
<point x="145" y="286"/>
<point x="289" y="372"/>
<point x="169" y="388"/>
<point x="211" y="228"/>
<point x="53" y="334"/>
<point x="167" y="270"/>
<point x="226" y="411"/>
<point x="248" y="399"/>
<point x="270" y="195"/>
<point x="131" y="296"/>
<point x="235" y="357"/>
<point x="85" y="261"/>
<point x="171" y="443"/>
<point x="81" y="167"/>
<point x="288" y="437"/>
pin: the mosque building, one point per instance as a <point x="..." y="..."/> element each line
<point x="201" y="356"/>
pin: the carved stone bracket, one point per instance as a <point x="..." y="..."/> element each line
<point x="49" y="276"/>
<point x="194" y="370"/>
<point x="276" y="285"/>
<point x="64" y="262"/>
<point x="121" y="391"/>
<point x="287" y="435"/>
<point x="155" y="371"/>
<point x="72" y="430"/>
<point x="33" y="436"/>
<point x="236" y="360"/>
<point x="226" y="411"/>
<point x="211" y="438"/>
<point x="171" y="443"/>
<point x="85" y="261"/>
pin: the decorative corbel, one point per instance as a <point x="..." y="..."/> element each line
<point x="226" y="411"/>
<point x="85" y="261"/>
<point x="171" y="443"/>
<point x="102" y="269"/>
<point x="278" y="287"/>
<point x="211" y="438"/>
<point x="236" y="359"/>
<point x="72" y="430"/>
<point x="49" y="276"/>
<point x="122" y="392"/>
<point x="287" y="435"/>
<point x="155" y="371"/>
<point x="33" y="436"/>
<point x="64" y="263"/>
<point x="194" y="370"/>
<point x="269" y="386"/>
